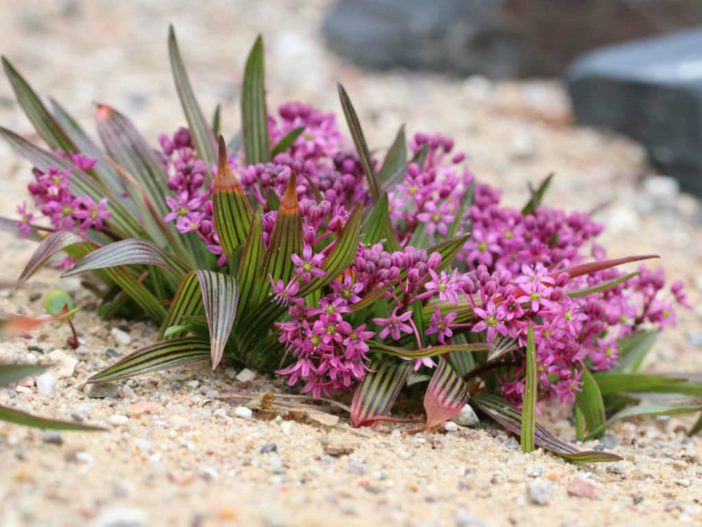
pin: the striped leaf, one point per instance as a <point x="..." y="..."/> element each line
<point x="530" y="393"/>
<point x="696" y="428"/>
<point x="186" y="302"/>
<point x="633" y="350"/>
<point x="448" y="250"/>
<point x="432" y="351"/>
<point x="611" y="382"/>
<point x="359" y="141"/>
<point x="159" y="356"/>
<point x="45" y="124"/>
<point x="51" y="245"/>
<point x="252" y="286"/>
<point x="395" y="161"/>
<point x="127" y="252"/>
<point x="589" y="400"/>
<point x="11" y="373"/>
<point x="254" y="116"/>
<point x="287" y="141"/>
<point x="377" y="227"/>
<point x="18" y="325"/>
<point x="645" y="410"/>
<point x="122" y="221"/>
<point x="219" y="297"/>
<point x="200" y="132"/>
<point x="593" y="267"/>
<point x="11" y="415"/>
<point x="604" y="286"/>
<point x="378" y="391"/>
<point x="286" y="238"/>
<point x="131" y="151"/>
<point x="36" y="232"/>
<point x="232" y="210"/>
<point x="537" y="196"/>
<point x="466" y="203"/>
<point x="510" y="418"/>
<point x="446" y="394"/>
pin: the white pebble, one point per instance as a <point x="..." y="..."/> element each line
<point x="467" y="417"/>
<point x="245" y="375"/>
<point x="540" y="492"/>
<point x="450" y="426"/>
<point x="46" y="383"/>
<point x="121" y="518"/>
<point x="286" y="427"/>
<point x="121" y="338"/>
<point x="118" y="419"/>
<point x="65" y="366"/>
<point x="243" y="412"/>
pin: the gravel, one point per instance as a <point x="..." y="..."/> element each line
<point x="46" y="383"/>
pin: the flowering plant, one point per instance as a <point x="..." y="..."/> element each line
<point x="293" y="250"/>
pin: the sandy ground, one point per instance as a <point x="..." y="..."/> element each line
<point x="177" y="455"/>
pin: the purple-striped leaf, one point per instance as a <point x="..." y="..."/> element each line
<point x="51" y="245"/>
<point x="159" y="356"/>
<point x="531" y="388"/>
<point x="286" y="238"/>
<point x="446" y="394"/>
<point x="36" y="233"/>
<point x="432" y="351"/>
<point x="254" y="116"/>
<point x="510" y="418"/>
<point x="374" y="397"/>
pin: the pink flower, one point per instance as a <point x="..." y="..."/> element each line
<point x="308" y="265"/>
<point x="394" y="325"/>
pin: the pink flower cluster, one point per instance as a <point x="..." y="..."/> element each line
<point x="54" y="199"/>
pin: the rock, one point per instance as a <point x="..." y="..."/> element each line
<point x="637" y="498"/>
<point x="616" y="468"/>
<point x="64" y="365"/>
<point x="102" y="390"/>
<point x="450" y="426"/>
<point x="143" y="407"/>
<point x="52" y="437"/>
<point x="467" y="417"/>
<point x="608" y="442"/>
<point x="118" y="419"/>
<point x="267" y="449"/>
<point x="121" y="517"/>
<point x="276" y="465"/>
<point x="650" y="90"/>
<point x="246" y="375"/>
<point x="534" y="471"/>
<point x="581" y="488"/>
<point x="336" y="448"/>
<point x="121" y="337"/>
<point x="112" y="353"/>
<point x="540" y="492"/>
<point x="663" y="192"/>
<point x="243" y="412"/>
<point x="495" y="38"/>
<point x="464" y="519"/>
<point x="46" y="383"/>
<point x="286" y="427"/>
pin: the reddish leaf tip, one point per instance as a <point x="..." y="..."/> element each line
<point x="225" y="181"/>
<point x="289" y="203"/>
<point x="103" y="112"/>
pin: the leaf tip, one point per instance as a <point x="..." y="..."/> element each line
<point x="289" y="203"/>
<point x="103" y="112"/>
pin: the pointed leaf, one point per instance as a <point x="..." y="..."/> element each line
<point x="377" y="227"/>
<point x="611" y="382"/>
<point x="52" y="244"/>
<point x="254" y="116"/>
<point x="510" y="418"/>
<point x="216" y="120"/>
<point x="446" y="395"/>
<point x="200" y="132"/>
<point x="219" y="296"/>
<point x="287" y="141"/>
<point x="186" y="302"/>
<point x="431" y="351"/>
<point x="11" y="373"/>
<point x="127" y="252"/>
<point x="642" y="410"/>
<point x="528" y="422"/>
<point x="232" y="210"/>
<point x="378" y="391"/>
<point x="36" y="232"/>
<point x="16" y="325"/>
<point x="589" y="400"/>
<point x="604" y="286"/>
<point x="359" y="141"/>
<point x="395" y="161"/>
<point x="634" y="349"/>
<point x="19" y="417"/>
<point x="593" y="267"/>
<point x="159" y="356"/>
<point x="537" y="196"/>
<point x="44" y="123"/>
<point x="252" y="287"/>
<point x="696" y="427"/>
<point x="286" y="238"/>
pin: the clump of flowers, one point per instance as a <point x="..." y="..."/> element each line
<point x="296" y="252"/>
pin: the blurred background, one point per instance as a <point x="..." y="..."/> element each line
<point x="515" y="82"/>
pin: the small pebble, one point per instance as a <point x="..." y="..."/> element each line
<point x="581" y="488"/>
<point x="540" y="492"/>
<point x="121" y="337"/>
<point x="616" y="468"/>
<point x="118" y="420"/>
<point x="246" y="375"/>
<point x="467" y="417"/>
<point x="46" y="383"/>
<point x="638" y="498"/>
<point x="243" y="412"/>
<point x="52" y="437"/>
<point x="450" y="426"/>
<point x="112" y="353"/>
<point x="534" y="471"/>
<point x="121" y="518"/>
<point x="286" y="427"/>
<point x="102" y="390"/>
<point x="270" y="447"/>
<point x="465" y="519"/>
<point x="276" y="465"/>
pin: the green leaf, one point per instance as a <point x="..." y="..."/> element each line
<point x="611" y="382"/>
<point x="634" y="349"/>
<point x="254" y="116"/>
<point x="510" y="418"/>
<point x="395" y="161"/>
<point x="648" y="410"/>
<point x="128" y="252"/>
<point x="501" y="346"/>
<point x="159" y="356"/>
<point x="44" y="123"/>
<point x="216" y="120"/>
<point x="287" y="141"/>
<point x="696" y="427"/>
<point x="446" y="394"/>
<point x="51" y="245"/>
<point x="186" y="302"/>
<point x="593" y="267"/>
<point x="219" y="297"/>
<point x="466" y="203"/>
<point x="252" y="286"/>
<point x="530" y="392"/>
<point x="376" y="394"/>
<point x="377" y="227"/>
<point x="359" y="141"/>
<point x="200" y="132"/>
<point x="604" y="286"/>
<point x="432" y="351"/>
<point x="448" y="250"/>
<point x="58" y="301"/>
<point x="80" y="183"/>
<point x="537" y="196"/>
<point x="589" y="401"/>
<point x="11" y="373"/>
<point x="232" y="210"/>
<point x="286" y="237"/>
<point x="11" y="415"/>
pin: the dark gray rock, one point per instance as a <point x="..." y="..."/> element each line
<point x="496" y="38"/>
<point x="461" y="36"/>
<point x="650" y="90"/>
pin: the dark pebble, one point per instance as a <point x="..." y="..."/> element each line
<point x="270" y="447"/>
<point x="34" y="297"/>
<point x="638" y="498"/>
<point x="112" y="353"/>
<point x="52" y="437"/>
<point x="38" y="349"/>
<point x="124" y="327"/>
